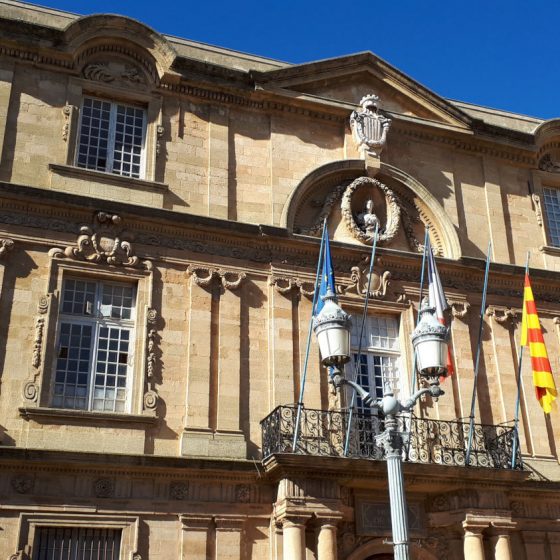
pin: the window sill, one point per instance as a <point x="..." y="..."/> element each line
<point x="44" y="414"/>
<point x="549" y="250"/>
<point x="103" y="177"/>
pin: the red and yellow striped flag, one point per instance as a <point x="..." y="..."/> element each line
<point x="531" y="335"/>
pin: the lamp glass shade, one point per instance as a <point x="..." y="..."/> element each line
<point x="334" y="345"/>
<point x="430" y="343"/>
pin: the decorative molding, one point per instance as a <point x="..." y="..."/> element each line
<point x="538" y="208"/>
<point x="505" y="316"/>
<point x="546" y="163"/>
<point x="150" y="395"/>
<point x="243" y="493"/>
<point x="103" y="243"/>
<point x="104" y="488"/>
<point x="205" y="277"/>
<point x="459" y="309"/>
<point x="6" y="246"/>
<point x="102" y="72"/>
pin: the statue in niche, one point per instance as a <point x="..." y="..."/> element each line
<point x="368" y="220"/>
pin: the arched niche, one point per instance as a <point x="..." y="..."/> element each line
<point x="378" y="549"/>
<point x="340" y="191"/>
<point x="92" y="40"/>
<point x="547" y="140"/>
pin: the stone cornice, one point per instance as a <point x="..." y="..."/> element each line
<point x="260" y="249"/>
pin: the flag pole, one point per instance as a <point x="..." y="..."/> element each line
<point x="422" y="273"/>
<point x="519" y="385"/>
<point x="364" y="317"/>
<point x="304" y="376"/>
<point x="477" y="361"/>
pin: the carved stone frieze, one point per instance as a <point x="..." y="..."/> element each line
<point x="369" y="126"/>
<point x="150" y="395"/>
<point x="505" y="316"/>
<point x="459" y="309"/>
<point x="6" y="246"/>
<point x="104" y="242"/>
<point x="206" y="277"/>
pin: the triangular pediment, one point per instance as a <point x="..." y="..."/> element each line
<point x="347" y="79"/>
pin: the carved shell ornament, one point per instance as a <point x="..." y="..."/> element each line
<point x="362" y="225"/>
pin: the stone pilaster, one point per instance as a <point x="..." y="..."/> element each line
<point x="535" y="544"/>
<point x="195" y="538"/>
<point x="500" y="539"/>
<point x="554" y="543"/>
<point x="229" y="532"/>
<point x="218" y="162"/>
<point x="6" y="245"/>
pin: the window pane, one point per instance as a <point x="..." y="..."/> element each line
<point x="94" y="134"/>
<point x="78" y="297"/>
<point x="552" y="207"/>
<point x="111" y="370"/>
<point x="129" y="135"/>
<point x="72" y="365"/>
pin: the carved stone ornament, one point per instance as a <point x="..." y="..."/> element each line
<point x="159" y="132"/>
<point x="459" y="309"/>
<point x="150" y="396"/>
<point x="538" y="208"/>
<point x="505" y="316"/>
<point x="114" y="71"/>
<point x="286" y="285"/>
<point x="22" y="483"/>
<point x="362" y="224"/>
<point x="243" y="493"/>
<point x="104" y="488"/>
<point x="67" y="111"/>
<point x="369" y="126"/>
<point x="546" y="163"/>
<point x="206" y="276"/>
<point x="6" y="245"/>
<point x="105" y="243"/>
<point x="19" y="555"/>
<point x="359" y="276"/>
<point x="179" y="490"/>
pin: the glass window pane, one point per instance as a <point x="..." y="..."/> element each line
<point x="94" y="134"/>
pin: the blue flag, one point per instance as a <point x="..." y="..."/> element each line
<point x="327" y="275"/>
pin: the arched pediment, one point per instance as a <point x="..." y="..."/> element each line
<point x="353" y="202"/>
<point x="547" y="139"/>
<point x="92" y="37"/>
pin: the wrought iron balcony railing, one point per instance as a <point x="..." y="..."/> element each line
<point x="323" y="433"/>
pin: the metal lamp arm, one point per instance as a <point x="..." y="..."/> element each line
<point x="338" y="381"/>
<point x="434" y="390"/>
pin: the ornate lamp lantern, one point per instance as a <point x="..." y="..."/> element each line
<point x="430" y="343"/>
<point x="332" y="328"/>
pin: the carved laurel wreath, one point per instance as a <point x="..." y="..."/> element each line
<point x="393" y="210"/>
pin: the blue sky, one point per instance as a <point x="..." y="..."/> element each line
<point x="495" y="53"/>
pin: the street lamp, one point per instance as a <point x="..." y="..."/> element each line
<point x="332" y="327"/>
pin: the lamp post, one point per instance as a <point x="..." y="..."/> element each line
<point x="332" y="328"/>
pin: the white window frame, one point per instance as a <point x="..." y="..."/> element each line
<point x="111" y="137"/>
<point x="371" y="351"/>
<point x="97" y="321"/>
<point x="551" y="225"/>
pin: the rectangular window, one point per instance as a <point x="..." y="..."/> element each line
<point x="95" y="345"/>
<point x="111" y="138"/>
<point x="552" y="207"/>
<point x="76" y="543"/>
<point x="379" y="355"/>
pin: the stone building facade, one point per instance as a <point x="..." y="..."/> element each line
<point x="161" y="206"/>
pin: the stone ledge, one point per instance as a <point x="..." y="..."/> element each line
<point x="549" y="250"/>
<point x="207" y="443"/>
<point x="47" y="415"/>
<point x="104" y="177"/>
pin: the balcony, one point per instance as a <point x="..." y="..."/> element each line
<point x="436" y="442"/>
